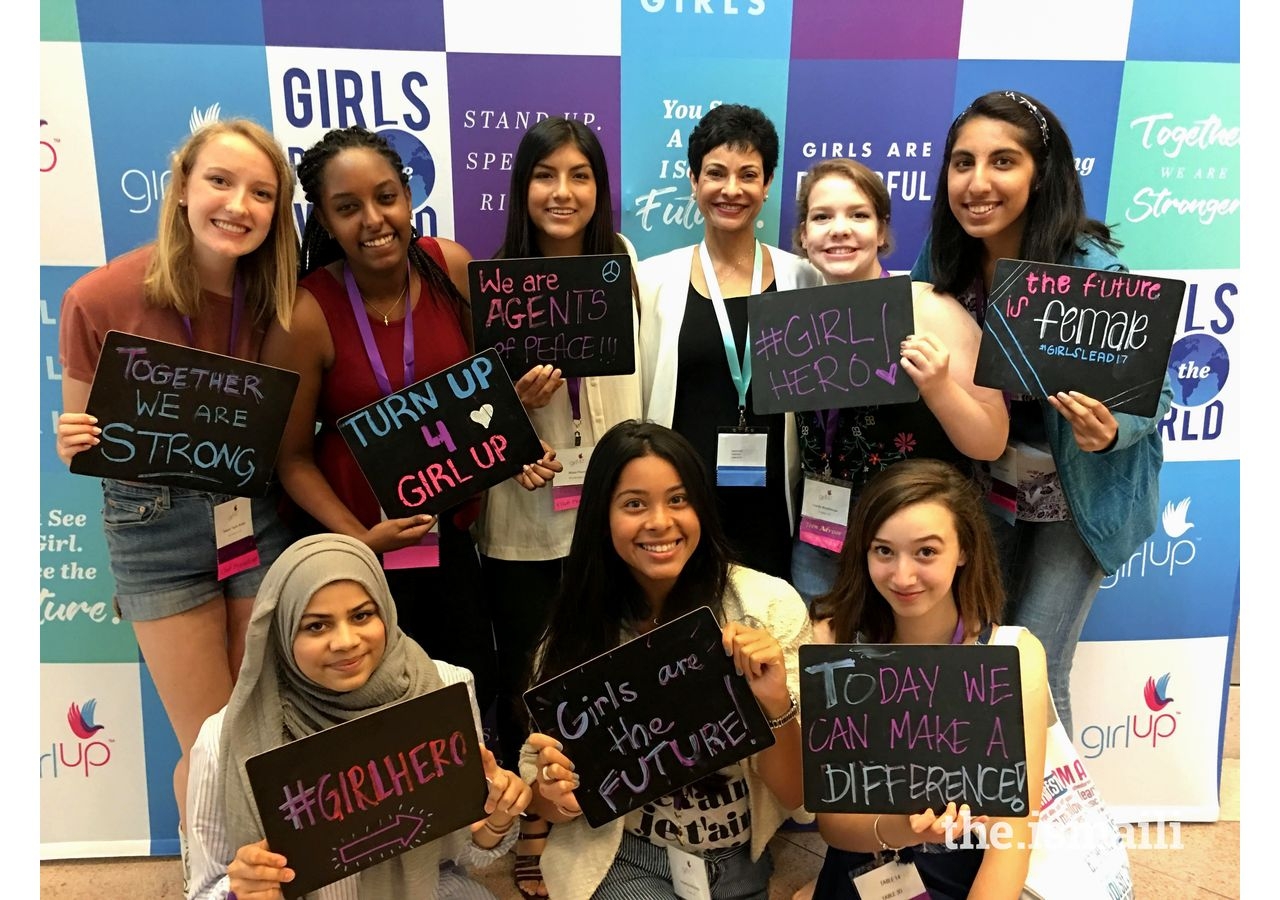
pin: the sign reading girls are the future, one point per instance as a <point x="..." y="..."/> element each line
<point x="1103" y="333"/>
<point x="832" y="346"/>
<point x="362" y="792"/>
<point x="894" y="728"/>
<point x="433" y="444"/>
<point x="573" y="312"/>
<point x="186" y="418"/>
<point x="651" y="716"/>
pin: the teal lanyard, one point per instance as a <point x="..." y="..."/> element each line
<point x="739" y="372"/>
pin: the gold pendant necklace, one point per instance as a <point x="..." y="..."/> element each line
<point x="386" y="316"/>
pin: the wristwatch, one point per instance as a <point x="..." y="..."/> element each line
<point x="792" y="711"/>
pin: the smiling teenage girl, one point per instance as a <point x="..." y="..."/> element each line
<point x="324" y="648"/>
<point x="221" y="269"/>
<point x="842" y="227"/>
<point x="648" y="548"/>
<point x="919" y="567"/>
<point x="379" y="308"/>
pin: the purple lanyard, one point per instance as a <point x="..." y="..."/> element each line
<point x="237" y="311"/>
<point x="831" y="417"/>
<point x="958" y="637"/>
<point x="575" y="405"/>
<point x="366" y="332"/>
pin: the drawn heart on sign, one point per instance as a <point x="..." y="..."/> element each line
<point x="483" y="415"/>
<point x="890" y="376"/>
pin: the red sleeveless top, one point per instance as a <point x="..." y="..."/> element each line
<point x="350" y="385"/>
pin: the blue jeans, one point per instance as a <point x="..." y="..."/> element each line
<point x="813" y="570"/>
<point x="1051" y="579"/>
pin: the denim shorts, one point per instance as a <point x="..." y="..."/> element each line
<point x="163" y="552"/>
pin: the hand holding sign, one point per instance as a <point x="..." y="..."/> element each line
<point x="76" y="432"/>
<point x="1091" y="422"/>
<point x="557" y="779"/>
<point x="508" y="795"/>
<point x="257" y="872"/>
<point x="758" y="655"/>
<point x="396" y="534"/>
<point x="537" y="386"/>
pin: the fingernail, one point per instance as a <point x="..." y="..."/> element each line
<point x="728" y="651"/>
<point x="737" y="668"/>
<point x="560" y="746"/>
<point x="93" y="420"/>
<point x="97" y="431"/>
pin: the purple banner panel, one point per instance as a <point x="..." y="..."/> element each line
<point x="493" y="100"/>
<point x="872" y="29"/>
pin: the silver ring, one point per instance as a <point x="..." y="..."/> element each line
<point x="544" y="774"/>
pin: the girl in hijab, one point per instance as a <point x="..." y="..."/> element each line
<point x="324" y="647"/>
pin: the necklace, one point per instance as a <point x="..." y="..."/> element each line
<point x="386" y="320"/>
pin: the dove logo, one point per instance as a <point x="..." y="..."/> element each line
<point x="1161" y="556"/>
<point x="82" y="756"/>
<point x="1156" y="693"/>
<point x="1160" y="725"/>
<point x="1175" y="518"/>
<point x="144" y="188"/>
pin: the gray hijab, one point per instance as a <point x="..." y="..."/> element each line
<point x="274" y="703"/>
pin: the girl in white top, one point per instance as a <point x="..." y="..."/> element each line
<point x="560" y="206"/>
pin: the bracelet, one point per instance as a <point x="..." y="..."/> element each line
<point x="566" y="812"/>
<point x="499" y="833"/>
<point x="792" y="711"/>
<point x="875" y="829"/>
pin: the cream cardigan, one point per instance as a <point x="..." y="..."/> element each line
<point x="577" y="856"/>
<point x="664" y="291"/>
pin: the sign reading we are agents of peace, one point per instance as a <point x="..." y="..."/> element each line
<point x="362" y="792"/>
<point x="898" y="728"/>
<point x="1103" y="333"/>
<point x="433" y="444"/>
<point x="832" y="346"/>
<point x="573" y="312"/>
<point x="175" y="416"/>
<point x="651" y="716"/>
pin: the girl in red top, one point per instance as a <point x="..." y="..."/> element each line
<point x="363" y="271"/>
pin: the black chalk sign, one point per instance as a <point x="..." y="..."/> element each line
<point x="651" y="716"/>
<point x="1103" y="333"/>
<point x="433" y="444"/>
<point x="832" y="346"/>
<point x="898" y="728"/>
<point x="362" y="792"/>
<point x="185" y="418"/>
<point x="572" y="312"/>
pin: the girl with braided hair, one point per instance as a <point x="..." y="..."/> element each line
<point x="378" y="308"/>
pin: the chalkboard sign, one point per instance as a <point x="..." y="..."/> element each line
<point x="1105" y="334"/>
<point x="185" y="418"/>
<point x="433" y="444"/>
<point x="362" y="792"/>
<point x="653" y="715"/>
<point x="832" y="346"/>
<point x="898" y="728"/>
<point x="572" y="312"/>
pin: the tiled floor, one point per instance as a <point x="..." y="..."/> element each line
<point x="1206" y="867"/>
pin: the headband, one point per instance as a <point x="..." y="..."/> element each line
<point x="1035" y="112"/>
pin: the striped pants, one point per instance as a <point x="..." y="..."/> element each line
<point x="642" y="871"/>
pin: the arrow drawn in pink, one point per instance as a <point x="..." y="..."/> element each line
<point x="381" y="839"/>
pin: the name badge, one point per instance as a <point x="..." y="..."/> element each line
<point x="423" y="555"/>
<point x="895" y="880"/>
<point x="233" y="534"/>
<point x="824" y="512"/>
<point x="688" y="875"/>
<point x="566" y="490"/>
<point x="741" y="454"/>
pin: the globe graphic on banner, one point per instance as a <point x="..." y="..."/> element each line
<point x="418" y="163"/>
<point x="1198" y="365"/>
